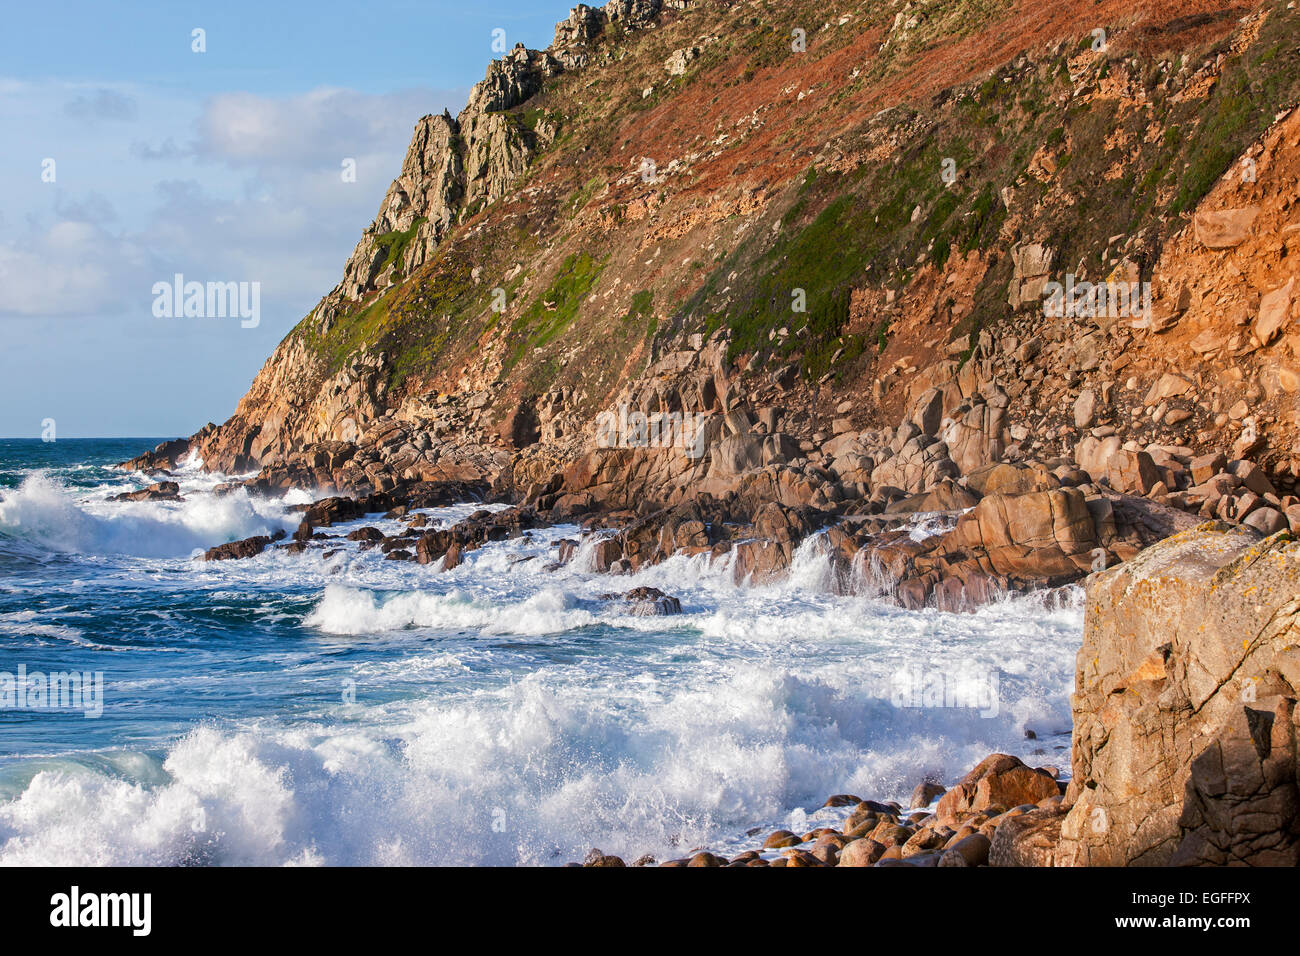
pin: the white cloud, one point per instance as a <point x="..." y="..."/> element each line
<point x="73" y="268"/>
<point x="318" y="128"/>
<point x="255" y="195"/>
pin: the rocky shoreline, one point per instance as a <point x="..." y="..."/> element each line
<point x="999" y="527"/>
<point x="984" y="820"/>
<point x="758" y="479"/>
<point x="1185" y="724"/>
<point x="1184" y="744"/>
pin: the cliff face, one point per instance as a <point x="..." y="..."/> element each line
<point x="833" y="240"/>
<point x="1185" y="707"/>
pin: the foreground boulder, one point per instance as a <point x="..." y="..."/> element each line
<point x="1184" y="706"/>
<point x="1046" y="534"/>
<point x="1028" y="839"/>
<point x="998" y="781"/>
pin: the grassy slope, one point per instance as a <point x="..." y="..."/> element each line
<point x="873" y="223"/>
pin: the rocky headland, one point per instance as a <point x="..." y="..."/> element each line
<point x="695" y="289"/>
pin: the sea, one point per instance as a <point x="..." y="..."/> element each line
<point x="338" y="708"/>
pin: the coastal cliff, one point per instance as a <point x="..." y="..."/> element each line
<point x="833" y="247"/>
<point x="714" y="278"/>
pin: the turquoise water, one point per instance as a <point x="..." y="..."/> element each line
<point x="352" y="710"/>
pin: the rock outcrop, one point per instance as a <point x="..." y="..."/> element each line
<point x="1185" y="706"/>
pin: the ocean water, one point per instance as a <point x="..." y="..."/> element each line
<point x="301" y="710"/>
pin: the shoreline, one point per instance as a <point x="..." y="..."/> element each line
<point x="1203" y="563"/>
<point x="1213" y="565"/>
<point x="929" y="830"/>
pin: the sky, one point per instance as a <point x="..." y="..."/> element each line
<point x="130" y="157"/>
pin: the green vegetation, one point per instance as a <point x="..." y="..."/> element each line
<point x="555" y="310"/>
<point x="641" y="306"/>
<point x="393" y="244"/>
<point x="584" y="194"/>
<point x="414" y="323"/>
<point x="873" y="225"/>
<point x="880" y="224"/>
<point x="351" y="332"/>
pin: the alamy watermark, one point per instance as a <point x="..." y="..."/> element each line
<point x="74" y="909"/>
<point x="57" y="690"/>
<point x="972" y="688"/>
<point x="212" y="300"/>
<point x="1081" y="299"/>
<point x="634" y="429"/>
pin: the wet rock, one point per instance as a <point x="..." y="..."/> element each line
<point x="826" y="853"/>
<point x="842" y="800"/>
<point x="865" y="852"/>
<point x="237" y="550"/>
<point x="339" y="509"/>
<point x="166" y="455"/>
<point x="805" y="858"/>
<point x="924" y="840"/>
<point x="972" y="850"/>
<point x="161" y="491"/>
<point x="925" y="793"/>
<point x="891" y="834"/>
<point x="781" y="838"/>
<point x="432" y="546"/>
<point x="646" y="602"/>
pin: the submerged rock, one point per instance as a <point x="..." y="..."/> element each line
<point x="161" y="491"/>
<point x="646" y="602"/>
<point x="247" y="548"/>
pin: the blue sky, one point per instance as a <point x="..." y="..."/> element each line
<point x="223" y="165"/>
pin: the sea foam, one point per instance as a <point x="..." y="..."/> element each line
<point x="43" y="511"/>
